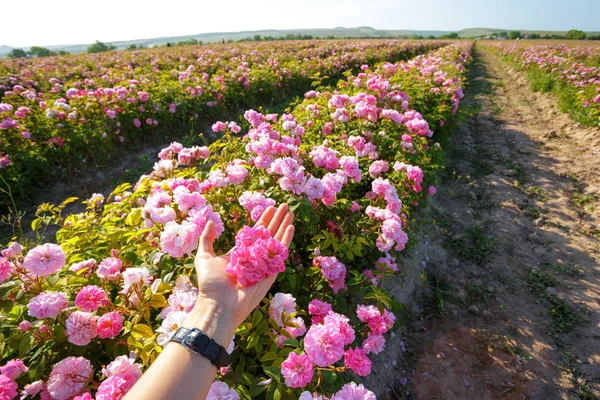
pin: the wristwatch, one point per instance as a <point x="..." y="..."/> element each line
<point x="198" y="342"/>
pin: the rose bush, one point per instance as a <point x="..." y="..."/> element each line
<point x="59" y="112"/>
<point x="87" y="315"/>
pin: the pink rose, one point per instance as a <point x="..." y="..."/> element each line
<point x="45" y="259"/>
<point x="357" y="361"/>
<point x="297" y="370"/>
<point x="13" y="369"/>
<point x="91" y="297"/>
<point x="68" y="377"/>
<point x="81" y="328"/>
<point x="109" y="325"/>
<point x="8" y="388"/>
<point x="220" y="391"/>
<point x="47" y="305"/>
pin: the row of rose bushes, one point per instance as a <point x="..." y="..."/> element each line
<point x="59" y="113"/>
<point x="85" y="316"/>
<point x="572" y="73"/>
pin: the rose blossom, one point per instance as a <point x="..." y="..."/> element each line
<point x="47" y="305"/>
<point x="324" y="345"/>
<point x="255" y="255"/>
<point x="68" y="377"/>
<point x="220" y="391"/>
<point x="122" y="365"/>
<point x="32" y="389"/>
<point x="352" y="391"/>
<point x="109" y="268"/>
<point x="373" y="344"/>
<point x="281" y="303"/>
<point x="13" y="250"/>
<point x="91" y="297"/>
<point x="178" y="240"/>
<point x="357" y="360"/>
<point x="8" y="388"/>
<point x="109" y="325"/>
<point x="45" y="259"/>
<point x="297" y="370"/>
<point x="115" y="387"/>
<point x="318" y="309"/>
<point x="6" y="269"/>
<point x="13" y="369"/>
<point x="81" y="328"/>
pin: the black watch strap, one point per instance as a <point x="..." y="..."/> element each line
<point x="198" y="342"/>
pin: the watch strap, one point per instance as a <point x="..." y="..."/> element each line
<point x="198" y="342"/>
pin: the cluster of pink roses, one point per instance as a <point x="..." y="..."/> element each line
<point x="256" y="254"/>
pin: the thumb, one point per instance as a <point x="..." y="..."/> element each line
<point x="205" y="243"/>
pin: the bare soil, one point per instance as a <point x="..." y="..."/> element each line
<point x="511" y="307"/>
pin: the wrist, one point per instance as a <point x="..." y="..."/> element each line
<point x="217" y="323"/>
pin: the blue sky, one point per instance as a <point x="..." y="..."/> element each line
<point x="43" y="22"/>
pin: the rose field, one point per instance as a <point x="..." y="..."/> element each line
<point x="58" y="114"/>
<point x="571" y="72"/>
<point x="87" y="314"/>
<point x="384" y="150"/>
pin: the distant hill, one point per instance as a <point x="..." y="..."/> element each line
<point x="5" y="49"/>
<point x="478" y="32"/>
<point x="338" y="32"/>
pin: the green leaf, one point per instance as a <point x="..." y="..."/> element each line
<point x="269" y="356"/>
<point x="256" y="390"/>
<point x="142" y="331"/>
<point x="26" y="344"/>
<point x="35" y="224"/>
<point x="52" y="279"/>
<point x="273" y="372"/>
<point x="69" y="201"/>
<point x="277" y="392"/>
<point x="247" y="378"/>
<point x="156" y="301"/>
<point x="253" y="340"/>
<point x="292" y="279"/>
<point x="59" y="332"/>
<point x="77" y="280"/>
<point x="16" y="312"/>
<point x="257" y="316"/>
<point x="291" y="342"/>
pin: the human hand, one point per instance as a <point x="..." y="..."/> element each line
<point x="221" y="297"/>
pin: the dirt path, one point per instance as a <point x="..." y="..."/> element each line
<point x="513" y="301"/>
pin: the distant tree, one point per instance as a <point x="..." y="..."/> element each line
<point x="417" y="37"/>
<point x="63" y="53"/>
<point x="430" y="37"/>
<point x="452" y="35"/>
<point x="575" y="34"/>
<point x="40" y="52"/>
<point x="17" y="53"/>
<point x="132" y="47"/>
<point x="100" y="47"/>
<point x="514" y="35"/>
<point x="503" y="34"/>
<point x="257" y="37"/>
<point x="534" y="36"/>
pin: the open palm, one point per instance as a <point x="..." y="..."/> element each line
<point x="218" y="286"/>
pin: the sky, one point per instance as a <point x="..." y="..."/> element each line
<point x="43" y="22"/>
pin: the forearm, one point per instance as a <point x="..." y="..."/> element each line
<point x="180" y="374"/>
